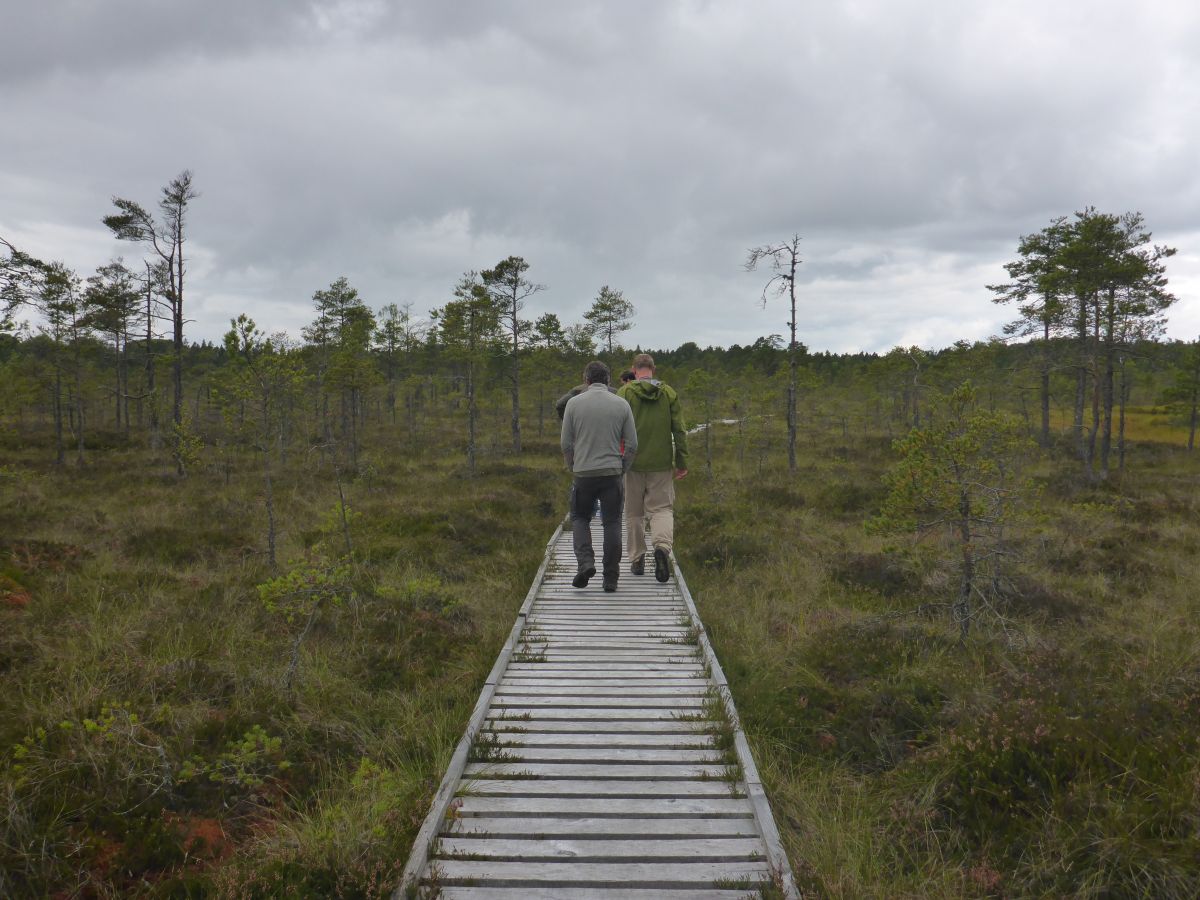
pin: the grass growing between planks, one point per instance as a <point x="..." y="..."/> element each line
<point x="148" y="743"/>
<point x="1059" y="759"/>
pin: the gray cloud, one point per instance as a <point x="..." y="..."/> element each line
<point x="645" y="146"/>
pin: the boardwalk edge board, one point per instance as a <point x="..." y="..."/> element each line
<point x="581" y="688"/>
<point x="776" y="855"/>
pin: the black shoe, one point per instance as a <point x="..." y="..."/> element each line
<point x="584" y="576"/>
<point x="638" y="566"/>
<point x="662" y="565"/>
<point x="610" y="584"/>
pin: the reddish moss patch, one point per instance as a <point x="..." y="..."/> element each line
<point x="12" y="594"/>
<point x="201" y="838"/>
<point x="42" y="556"/>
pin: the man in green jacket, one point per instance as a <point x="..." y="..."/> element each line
<point x="661" y="460"/>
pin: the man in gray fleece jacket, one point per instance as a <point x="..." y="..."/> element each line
<point x="598" y="442"/>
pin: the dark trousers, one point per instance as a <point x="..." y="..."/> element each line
<point x="610" y="491"/>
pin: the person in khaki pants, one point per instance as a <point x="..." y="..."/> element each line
<point x="661" y="460"/>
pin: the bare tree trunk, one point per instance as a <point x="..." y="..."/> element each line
<point x="1106" y="388"/>
<point x="516" y="396"/>
<point x="793" y="364"/>
<point x="78" y="407"/>
<point x="123" y="376"/>
<point x="270" y="497"/>
<point x="294" y="663"/>
<point x="337" y="472"/>
<point x="1081" y="380"/>
<point x="60" y="449"/>
<point x="1124" y="395"/>
<point x="1194" y="416"/>
<point x="471" y="415"/>
<point x="708" y="455"/>
<point x="155" y="437"/>
<point x="120" y="392"/>
<point x="1046" y="385"/>
<point x="962" y="606"/>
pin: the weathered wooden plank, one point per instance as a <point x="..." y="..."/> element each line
<point x="502" y="701"/>
<point x="651" y="651"/>
<point x="602" y="683"/>
<point x="617" y="603"/>
<point x="542" y="654"/>
<point x="604" y="807"/>
<point x="641" y="641"/>
<point x="582" y="676"/>
<point x="676" y="660"/>
<point x="602" y="622"/>
<point x="609" y="619"/>
<point x="624" y="681"/>
<point x="688" y="668"/>
<point x="511" y="689"/>
<point x="548" y="849"/>
<point x="648" y="640"/>
<point x="657" y="725"/>
<point x="612" y="615"/>
<point x="535" y="718"/>
<point x="526" y="771"/>
<point x="454" y="892"/>
<point x="590" y="613"/>
<point x="582" y="787"/>
<point x="602" y="754"/>
<point x="558" y="658"/>
<point x="612" y="632"/>
<point x="582" y="827"/>
<point x="626" y="629"/>
<point x="591" y="739"/>
<point x="616" y="618"/>
<point x="616" y="874"/>
<point x="599" y="681"/>
<point x="618" y="600"/>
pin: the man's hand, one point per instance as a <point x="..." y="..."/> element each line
<point x="680" y="473"/>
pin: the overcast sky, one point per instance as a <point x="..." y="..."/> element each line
<point x="643" y="145"/>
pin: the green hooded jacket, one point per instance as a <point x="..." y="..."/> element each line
<point x="662" y="440"/>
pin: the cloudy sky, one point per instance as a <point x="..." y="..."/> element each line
<point x="640" y="144"/>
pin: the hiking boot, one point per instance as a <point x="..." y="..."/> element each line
<point x="582" y="578"/>
<point x="662" y="565"/>
<point x="638" y="566"/>
<point x="610" y="584"/>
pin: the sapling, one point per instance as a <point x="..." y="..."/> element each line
<point x="263" y="376"/>
<point x="300" y="594"/>
<point x="960" y="476"/>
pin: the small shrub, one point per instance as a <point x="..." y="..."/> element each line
<point x="883" y="573"/>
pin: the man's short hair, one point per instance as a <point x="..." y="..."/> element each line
<point x="596" y="373"/>
<point x="643" y="361"/>
<point x="627" y="376"/>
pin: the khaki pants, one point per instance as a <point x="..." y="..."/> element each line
<point x="649" y="495"/>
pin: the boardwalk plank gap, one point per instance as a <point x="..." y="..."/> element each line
<point x="603" y="759"/>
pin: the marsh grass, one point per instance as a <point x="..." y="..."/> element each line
<point x="899" y="762"/>
<point x="903" y="763"/>
<point x="145" y="673"/>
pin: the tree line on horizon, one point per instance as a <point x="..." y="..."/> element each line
<point x="1090" y="292"/>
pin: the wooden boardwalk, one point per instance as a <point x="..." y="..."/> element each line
<point x="603" y="759"/>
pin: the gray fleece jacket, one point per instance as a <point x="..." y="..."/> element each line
<point x="598" y="436"/>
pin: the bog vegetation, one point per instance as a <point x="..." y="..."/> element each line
<point x="249" y="591"/>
